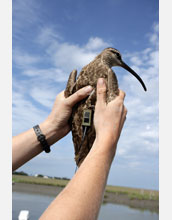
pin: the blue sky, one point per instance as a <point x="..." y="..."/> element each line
<point x="50" y="39"/>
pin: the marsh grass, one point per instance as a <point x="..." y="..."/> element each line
<point x="134" y="193"/>
<point x="39" y="180"/>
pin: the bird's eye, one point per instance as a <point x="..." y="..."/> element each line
<point x="118" y="55"/>
<point x="113" y="51"/>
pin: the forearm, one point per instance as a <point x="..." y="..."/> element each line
<point x="26" y="146"/>
<point x="55" y="127"/>
<point x="82" y="197"/>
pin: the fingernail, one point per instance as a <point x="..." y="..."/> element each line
<point x="100" y="81"/>
<point x="88" y="89"/>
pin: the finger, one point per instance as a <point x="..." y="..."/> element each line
<point x="101" y="91"/>
<point x="79" y="95"/>
<point x="123" y="118"/>
<point x="122" y="94"/>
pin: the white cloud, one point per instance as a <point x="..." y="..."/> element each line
<point x="63" y="56"/>
<point x="154" y="59"/>
<point x="25" y="15"/>
<point x="136" y="60"/>
<point x="44" y="97"/>
<point x="68" y="56"/>
<point x="25" y="114"/>
<point x="96" y="43"/>
<point x="147" y="135"/>
<point x="134" y="164"/>
<point x="154" y="36"/>
<point x="40" y="84"/>
<point x="47" y="36"/>
<point x="24" y="60"/>
<point x="50" y="75"/>
<point x="140" y="135"/>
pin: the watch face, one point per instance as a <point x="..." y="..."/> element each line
<point x="41" y="137"/>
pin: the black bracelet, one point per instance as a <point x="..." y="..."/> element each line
<point x="41" y="138"/>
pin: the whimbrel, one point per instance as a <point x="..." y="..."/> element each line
<point x="81" y="120"/>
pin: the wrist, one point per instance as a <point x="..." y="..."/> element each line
<point x="49" y="132"/>
<point x="105" y="147"/>
<point x="107" y="137"/>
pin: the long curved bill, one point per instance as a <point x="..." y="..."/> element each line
<point x="125" y="66"/>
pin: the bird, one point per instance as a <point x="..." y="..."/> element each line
<point x="81" y="120"/>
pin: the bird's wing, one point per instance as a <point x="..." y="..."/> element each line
<point x="70" y="84"/>
<point x="112" y="86"/>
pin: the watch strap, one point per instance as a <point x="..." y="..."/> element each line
<point x="41" y="138"/>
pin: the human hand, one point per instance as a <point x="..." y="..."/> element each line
<point x="62" y="109"/>
<point x="109" y="118"/>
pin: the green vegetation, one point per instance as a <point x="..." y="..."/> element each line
<point x="39" y="180"/>
<point x="133" y="193"/>
<point x="20" y="173"/>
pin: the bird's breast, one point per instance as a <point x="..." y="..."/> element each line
<point x="89" y="76"/>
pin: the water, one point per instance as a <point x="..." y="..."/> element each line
<point x="120" y="212"/>
<point x="36" y="204"/>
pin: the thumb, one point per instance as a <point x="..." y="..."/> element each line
<point x="79" y="95"/>
<point x="101" y="91"/>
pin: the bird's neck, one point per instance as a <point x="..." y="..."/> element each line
<point x="106" y="61"/>
<point x="103" y="61"/>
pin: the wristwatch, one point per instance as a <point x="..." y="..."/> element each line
<point x="41" y="138"/>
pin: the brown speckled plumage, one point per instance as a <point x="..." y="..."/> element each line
<point x="100" y="67"/>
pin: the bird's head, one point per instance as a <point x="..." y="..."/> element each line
<point x="112" y="57"/>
